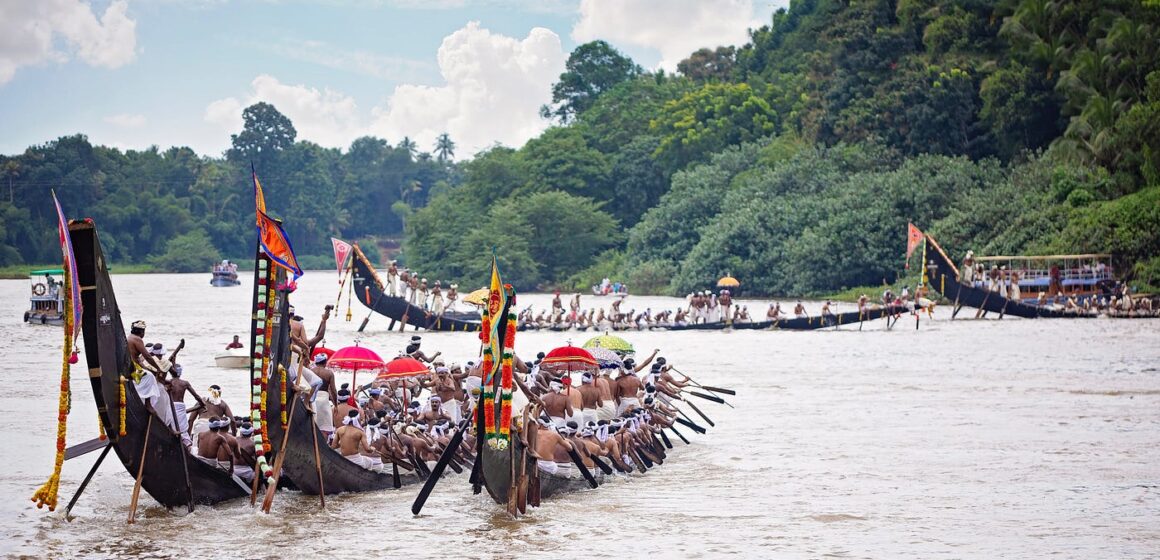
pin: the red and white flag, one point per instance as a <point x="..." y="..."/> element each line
<point x="341" y="252"/>
<point x="913" y="239"/>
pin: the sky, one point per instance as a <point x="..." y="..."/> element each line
<point x="135" y="73"/>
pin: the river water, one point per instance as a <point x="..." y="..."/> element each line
<point x="965" y="439"/>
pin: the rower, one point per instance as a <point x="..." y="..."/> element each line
<point x="324" y="408"/>
<point x="967" y="271"/>
<point x="557" y="405"/>
<point x="437" y="299"/>
<point x="414" y="352"/>
<point x="298" y="331"/>
<point x="626" y="391"/>
<point x="343" y="407"/>
<point x="177" y="390"/>
<point x="550" y="449"/>
<point x="799" y="310"/>
<point x="212" y="445"/>
<point x="392" y="279"/>
<point x="212" y="406"/>
<point x="247" y="452"/>
<point x="827" y="312"/>
<point x="351" y="441"/>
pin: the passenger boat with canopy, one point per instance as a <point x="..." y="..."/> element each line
<point x="46" y="302"/>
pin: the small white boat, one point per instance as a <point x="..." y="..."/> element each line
<point x="233" y="359"/>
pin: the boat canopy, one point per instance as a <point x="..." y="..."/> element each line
<point x="1046" y="257"/>
<point x="57" y="271"/>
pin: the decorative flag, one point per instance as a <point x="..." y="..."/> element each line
<point x="273" y="239"/>
<point x="496" y="303"/>
<point x="70" y="267"/>
<point x="341" y="252"/>
<point x="913" y="238"/>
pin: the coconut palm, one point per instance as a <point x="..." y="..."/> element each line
<point x="444" y="147"/>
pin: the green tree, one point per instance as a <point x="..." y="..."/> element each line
<point x="708" y="65"/>
<point x="706" y="121"/>
<point x="188" y="252"/>
<point x="265" y="133"/>
<point x="566" y="232"/>
<point x="444" y="147"/>
<point x="592" y="69"/>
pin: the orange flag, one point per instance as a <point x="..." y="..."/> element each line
<point x="913" y="238"/>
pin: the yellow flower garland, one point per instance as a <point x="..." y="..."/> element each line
<point x="46" y="495"/>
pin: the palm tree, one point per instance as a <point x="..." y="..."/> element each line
<point x="444" y="147"/>
<point x="408" y="145"/>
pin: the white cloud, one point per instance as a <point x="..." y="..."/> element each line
<point x="126" y="120"/>
<point x="675" y="28"/>
<point x="29" y="33"/>
<point x="357" y="61"/>
<point x="494" y="87"/>
<point x="325" y="117"/>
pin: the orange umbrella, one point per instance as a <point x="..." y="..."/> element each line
<point x="728" y="282"/>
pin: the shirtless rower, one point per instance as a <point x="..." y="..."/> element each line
<point x="447" y="386"/>
<point x="799" y="310"/>
<point x="626" y="390"/>
<point x="351" y="441"/>
<point x="247" y="452"/>
<point x="590" y="401"/>
<point x="343" y="408"/>
<point x="177" y="388"/>
<point x="414" y="351"/>
<point x="298" y="331"/>
<point x="212" y="406"/>
<point x="392" y="279"/>
<point x="214" y="446"/>
<point x="556" y="404"/>
<point x="604" y="384"/>
<point x="550" y="449"/>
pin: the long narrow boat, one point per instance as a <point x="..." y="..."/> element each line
<point x="369" y="291"/>
<point x="944" y="278"/>
<point x="786" y="324"/>
<point x="107" y="355"/>
<point x="497" y="470"/>
<point x="338" y="474"/>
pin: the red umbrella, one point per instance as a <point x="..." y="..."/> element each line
<point x="322" y="350"/>
<point x="568" y="359"/>
<point x="354" y="358"/>
<point x="403" y="366"/>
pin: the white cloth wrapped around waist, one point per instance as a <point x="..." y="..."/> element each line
<point x="360" y="460"/>
<point x="324" y="412"/>
<point x="626" y="402"/>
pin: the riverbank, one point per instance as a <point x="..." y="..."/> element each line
<point x="20" y="271"/>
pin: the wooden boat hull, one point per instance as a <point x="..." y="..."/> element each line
<point x="497" y="475"/>
<point x="944" y="278"/>
<point x="369" y="291"/>
<point x="786" y="324"/>
<point x="107" y="357"/>
<point x="232" y="361"/>
<point x="299" y="465"/>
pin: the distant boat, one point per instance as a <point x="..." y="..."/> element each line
<point x="237" y="358"/>
<point x="225" y="274"/>
<point x="610" y="289"/>
<point x="46" y="304"/>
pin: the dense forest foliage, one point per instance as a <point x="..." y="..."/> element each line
<point x="793" y="162"/>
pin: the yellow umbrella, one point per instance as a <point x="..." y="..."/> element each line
<point x="728" y="282"/>
<point x="478" y="297"/>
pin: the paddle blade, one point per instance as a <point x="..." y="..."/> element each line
<point x="713" y="398"/>
<point x="437" y="472"/>
<point x="686" y="423"/>
<point x="719" y="390"/>
<point x="583" y="469"/>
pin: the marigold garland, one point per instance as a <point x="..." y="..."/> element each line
<point x="122" y="405"/>
<point x="46" y="495"/>
<point x="285" y="389"/>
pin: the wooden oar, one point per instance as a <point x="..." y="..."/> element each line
<point x="695" y="427"/>
<point x="437" y="472"/>
<point x="372" y="307"/>
<point x="580" y="465"/>
<point x="698" y="411"/>
<point x="85" y="482"/>
<point x="83" y="448"/>
<point x="713" y="398"/>
<point x="716" y="389"/>
<point x="184" y="456"/>
<point x="140" y="470"/>
<point x="678" y="434"/>
<point x="665" y="437"/>
<point x="983" y="307"/>
<point x="603" y="466"/>
<point x="318" y="462"/>
<point x="277" y="471"/>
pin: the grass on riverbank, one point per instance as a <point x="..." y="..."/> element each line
<point x="20" y="271"/>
